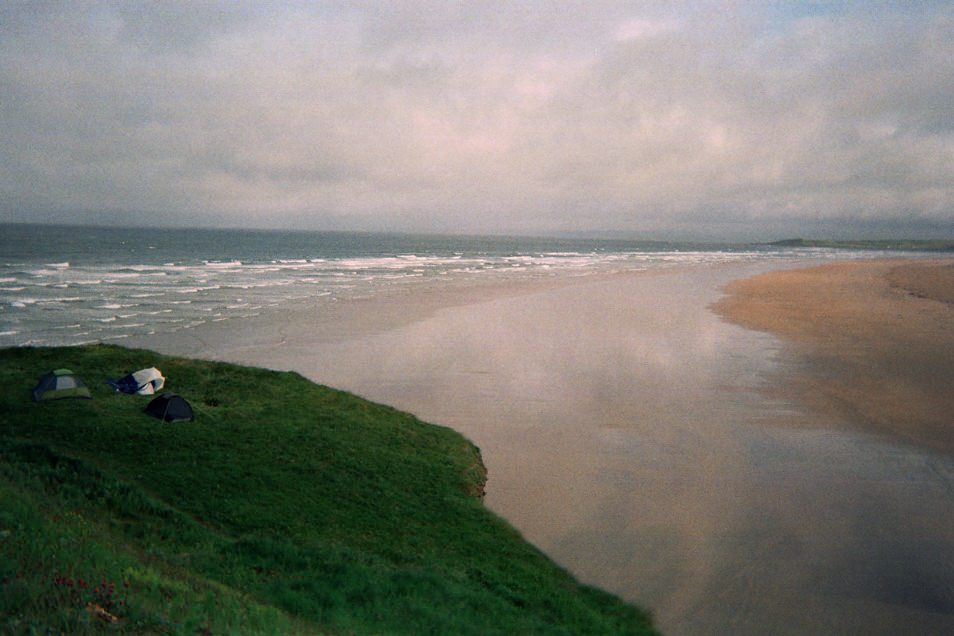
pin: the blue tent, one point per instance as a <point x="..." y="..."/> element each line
<point x="60" y="384"/>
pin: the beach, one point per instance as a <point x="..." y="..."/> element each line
<point x="650" y="445"/>
<point x="876" y="339"/>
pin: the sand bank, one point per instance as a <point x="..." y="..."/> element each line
<point x="875" y="339"/>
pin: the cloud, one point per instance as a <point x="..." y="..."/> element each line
<point x="481" y="117"/>
<point x="642" y="28"/>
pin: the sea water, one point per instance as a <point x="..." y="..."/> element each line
<point x="62" y="285"/>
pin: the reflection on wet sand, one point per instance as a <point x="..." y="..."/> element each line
<point x="625" y="435"/>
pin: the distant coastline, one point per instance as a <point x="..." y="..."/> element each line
<point x="905" y="245"/>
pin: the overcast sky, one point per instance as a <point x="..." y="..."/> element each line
<point x="653" y="119"/>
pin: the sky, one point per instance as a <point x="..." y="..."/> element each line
<point x="668" y="119"/>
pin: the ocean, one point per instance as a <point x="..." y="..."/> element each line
<point x="64" y="285"/>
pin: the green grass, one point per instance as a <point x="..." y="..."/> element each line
<point x="286" y="507"/>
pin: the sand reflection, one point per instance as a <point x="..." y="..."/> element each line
<point x="624" y="434"/>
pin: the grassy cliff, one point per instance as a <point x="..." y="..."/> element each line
<point x="286" y="507"/>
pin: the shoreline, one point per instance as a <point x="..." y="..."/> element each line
<point x="306" y="324"/>
<point x="872" y="342"/>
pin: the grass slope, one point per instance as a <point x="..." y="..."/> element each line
<point x="287" y="507"/>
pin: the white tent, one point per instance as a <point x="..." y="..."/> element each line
<point x="148" y="380"/>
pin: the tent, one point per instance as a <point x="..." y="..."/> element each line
<point x="59" y="384"/>
<point x="143" y="382"/>
<point x="171" y="408"/>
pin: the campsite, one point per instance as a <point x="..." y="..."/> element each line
<point x="286" y="508"/>
<point x="61" y="384"/>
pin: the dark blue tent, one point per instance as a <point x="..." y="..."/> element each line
<point x="170" y="408"/>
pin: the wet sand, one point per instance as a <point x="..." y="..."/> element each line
<point x="630" y="433"/>
<point x="876" y="340"/>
